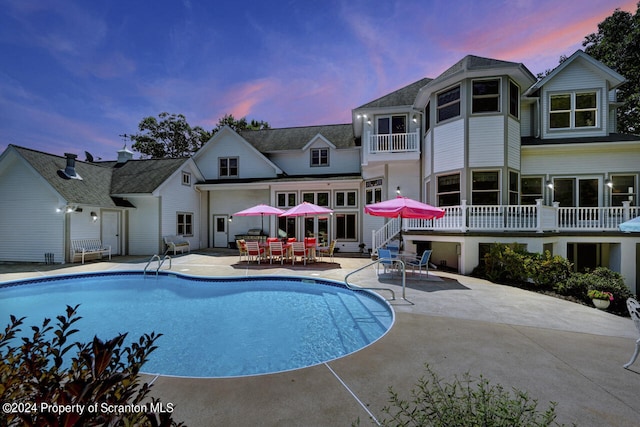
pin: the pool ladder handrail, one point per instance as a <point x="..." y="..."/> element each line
<point x="160" y="262"/>
<point x="393" y="294"/>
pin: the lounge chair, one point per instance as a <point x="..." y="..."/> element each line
<point x="327" y="250"/>
<point x="634" y="311"/>
<point x="276" y="251"/>
<point x="254" y="251"/>
<point x="420" y="263"/>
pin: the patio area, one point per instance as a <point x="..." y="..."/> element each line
<point x="553" y="349"/>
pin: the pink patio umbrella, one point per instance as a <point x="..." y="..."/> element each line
<point x="260" y="210"/>
<point x="306" y="209"/>
<point x="404" y="207"/>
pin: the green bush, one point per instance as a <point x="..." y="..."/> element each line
<point x="504" y="263"/>
<point x="611" y="281"/>
<point x="465" y="402"/>
<point x="549" y="272"/>
<point x="102" y="373"/>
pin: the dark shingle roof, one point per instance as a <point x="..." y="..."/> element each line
<point x="403" y="96"/>
<point x="142" y="176"/>
<point x="472" y="62"/>
<point x="93" y="189"/>
<point x="613" y="137"/>
<point x="268" y="140"/>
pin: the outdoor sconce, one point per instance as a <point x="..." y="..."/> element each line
<point x="398" y="190"/>
<point x="609" y="183"/>
<point x="415" y="119"/>
<point x="550" y="185"/>
<point x="231" y="218"/>
<point x="94" y="216"/>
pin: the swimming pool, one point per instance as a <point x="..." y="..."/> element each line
<point x="212" y="327"/>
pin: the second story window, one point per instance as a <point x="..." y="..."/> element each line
<point x="228" y="167"/>
<point x="573" y="110"/>
<point x="449" y="190"/>
<point x="186" y="178"/>
<point x="486" y="96"/>
<point x="485" y="188"/>
<point x="448" y="104"/>
<point x="514" y="99"/>
<point x="391" y="124"/>
<point x="320" y="157"/>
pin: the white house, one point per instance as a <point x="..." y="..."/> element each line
<point x="49" y="200"/>
<point x="508" y="157"/>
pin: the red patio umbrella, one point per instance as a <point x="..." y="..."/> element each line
<point x="404" y="207"/>
<point x="260" y="210"/>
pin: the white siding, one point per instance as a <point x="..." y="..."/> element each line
<point x="144" y="226"/>
<point x="427" y="154"/>
<point x="448" y="146"/>
<point x="513" y="144"/>
<point x="526" y="119"/>
<point x="486" y="141"/>
<point x="29" y="223"/>
<point x="299" y="162"/>
<point x="176" y="197"/>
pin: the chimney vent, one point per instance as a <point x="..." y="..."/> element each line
<point x="70" y="170"/>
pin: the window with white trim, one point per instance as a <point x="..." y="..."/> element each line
<point x="514" y="188"/>
<point x="373" y="191"/>
<point x="623" y="189"/>
<point x="346" y="199"/>
<point x="485" y="96"/>
<point x="448" y="104"/>
<point x="319" y="157"/>
<point x="228" y="167"/>
<point x="573" y="110"/>
<point x="530" y="189"/>
<point x="514" y="99"/>
<point x="485" y="188"/>
<point x="186" y="178"/>
<point x="448" y="190"/>
<point x="184" y="223"/>
<point x="345" y="226"/>
<point x="285" y="200"/>
<point x="320" y="198"/>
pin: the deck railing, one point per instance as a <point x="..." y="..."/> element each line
<point x="394" y="143"/>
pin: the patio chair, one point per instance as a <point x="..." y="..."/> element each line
<point x="386" y="260"/>
<point x="254" y="251"/>
<point x="419" y="263"/>
<point x="394" y="248"/>
<point x="298" y="249"/>
<point x="242" y="248"/>
<point x="276" y="251"/>
<point x="634" y="310"/>
<point x="327" y="250"/>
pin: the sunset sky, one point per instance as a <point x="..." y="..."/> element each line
<point x="75" y="75"/>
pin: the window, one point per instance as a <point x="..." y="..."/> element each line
<point x="320" y="157"/>
<point x="373" y="189"/>
<point x="392" y="124"/>
<point x="623" y="189"/>
<point x="427" y="117"/>
<point x="449" y="104"/>
<point x="186" y="178"/>
<point x="514" y="99"/>
<point x="573" y="110"/>
<point x="449" y="190"/>
<point x="286" y="200"/>
<point x="184" y="226"/>
<point x="531" y="188"/>
<point x="346" y="198"/>
<point x="320" y="199"/>
<point x="345" y="226"/>
<point x="485" y="188"/>
<point x="228" y="166"/>
<point x="514" y="182"/>
<point x="486" y="96"/>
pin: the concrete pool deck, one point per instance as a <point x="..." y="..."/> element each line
<point x="553" y="349"/>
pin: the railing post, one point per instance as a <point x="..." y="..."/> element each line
<point x="626" y="210"/>
<point x="539" y="213"/>
<point x="463" y="216"/>
<point x="556" y="206"/>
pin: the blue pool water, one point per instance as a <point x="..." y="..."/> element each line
<point x="211" y="327"/>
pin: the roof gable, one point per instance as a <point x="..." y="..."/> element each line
<point x="298" y="138"/>
<point x="404" y="96"/>
<point x="318" y="140"/>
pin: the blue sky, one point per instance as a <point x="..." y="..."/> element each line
<point x="76" y="74"/>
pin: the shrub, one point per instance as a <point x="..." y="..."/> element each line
<point x="611" y="281"/>
<point x="504" y="263"/>
<point x="465" y="402"/>
<point x="102" y="373"/>
<point x="549" y="272"/>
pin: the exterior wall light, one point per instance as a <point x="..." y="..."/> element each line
<point x="550" y="185"/>
<point x="398" y="190"/>
<point x="94" y="216"/>
<point x="609" y="183"/>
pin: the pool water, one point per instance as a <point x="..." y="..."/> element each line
<point x="211" y="327"/>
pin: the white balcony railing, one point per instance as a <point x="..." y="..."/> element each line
<point x="532" y="218"/>
<point x="394" y="143"/>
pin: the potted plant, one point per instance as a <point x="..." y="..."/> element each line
<point x="601" y="299"/>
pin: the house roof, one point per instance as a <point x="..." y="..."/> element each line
<point x="613" y="137"/>
<point x="296" y="138"/>
<point x="142" y="176"/>
<point x="92" y="189"/>
<point x="403" y="96"/>
<point x="100" y="180"/>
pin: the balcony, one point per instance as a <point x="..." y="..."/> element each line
<point x="395" y="146"/>
<point x="536" y="218"/>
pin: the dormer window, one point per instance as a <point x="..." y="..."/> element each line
<point x="573" y="110"/>
<point x="228" y="167"/>
<point x="320" y="157"/>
